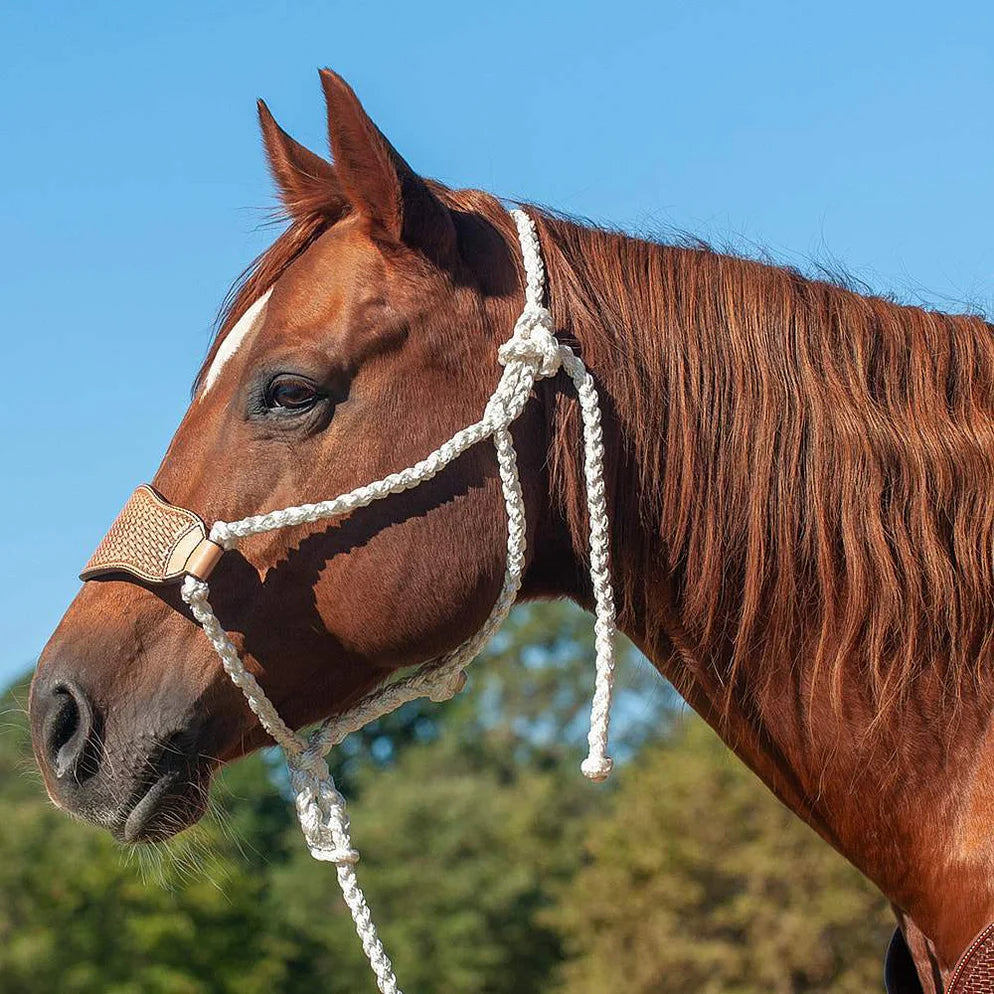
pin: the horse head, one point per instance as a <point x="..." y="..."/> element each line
<point x="361" y="340"/>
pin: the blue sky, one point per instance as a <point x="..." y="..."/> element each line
<point x="133" y="188"/>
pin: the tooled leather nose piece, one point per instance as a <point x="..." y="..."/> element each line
<point x="155" y="541"/>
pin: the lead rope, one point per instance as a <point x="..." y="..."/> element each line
<point x="532" y="353"/>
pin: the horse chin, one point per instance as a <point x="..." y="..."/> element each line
<point x="171" y="797"/>
<point x="170" y="788"/>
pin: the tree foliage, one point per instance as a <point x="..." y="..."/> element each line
<point x="490" y="864"/>
<point x="699" y="880"/>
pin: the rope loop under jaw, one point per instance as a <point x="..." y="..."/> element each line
<point x="533" y="352"/>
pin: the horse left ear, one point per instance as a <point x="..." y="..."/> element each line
<point x="306" y="183"/>
<point x="381" y="186"/>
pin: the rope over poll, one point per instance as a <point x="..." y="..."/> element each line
<point x="532" y="353"/>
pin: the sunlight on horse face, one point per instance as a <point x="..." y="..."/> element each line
<point x="354" y="367"/>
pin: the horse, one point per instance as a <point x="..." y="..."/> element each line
<point x="799" y="478"/>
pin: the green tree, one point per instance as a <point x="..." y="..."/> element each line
<point x="700" y="881"/>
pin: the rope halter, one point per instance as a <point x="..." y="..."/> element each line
<point x="158" y="542"/>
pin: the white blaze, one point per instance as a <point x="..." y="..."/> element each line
<point x="232" y="342"/>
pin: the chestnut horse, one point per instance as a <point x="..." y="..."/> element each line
<point x="800" y="479"/>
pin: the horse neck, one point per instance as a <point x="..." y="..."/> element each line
<point x="841" y="687"/>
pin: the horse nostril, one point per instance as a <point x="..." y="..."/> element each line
<point x="68" y="727"/>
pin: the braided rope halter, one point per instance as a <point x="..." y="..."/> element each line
<point x="532" y="353"/>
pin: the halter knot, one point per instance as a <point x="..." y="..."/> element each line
<point x="222" y="535"/>
<point x="310" y="762"/>
<point x="320" y="809"/>
<point x="447" y="687"/>
<point x="533" y="341"/>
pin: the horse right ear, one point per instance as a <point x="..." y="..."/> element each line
<point x="307" y="183"/>
<point x="396" y="203"/>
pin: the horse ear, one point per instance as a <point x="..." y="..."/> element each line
<point x="307" y="183"/>
<point x="380" y="185"/>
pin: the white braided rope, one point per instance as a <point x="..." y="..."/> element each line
<point x="532" y="353"/>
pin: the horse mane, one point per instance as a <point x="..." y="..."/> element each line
<point x="813" y="466"/>
<point x="810" y="469"/>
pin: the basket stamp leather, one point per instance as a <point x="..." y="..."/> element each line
<point x="974" y="974"/>
<point x="154" y="541"/>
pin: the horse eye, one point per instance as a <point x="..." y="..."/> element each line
<point x="292" y="393"/>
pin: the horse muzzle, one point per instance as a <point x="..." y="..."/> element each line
<point x="112" y="761"/>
